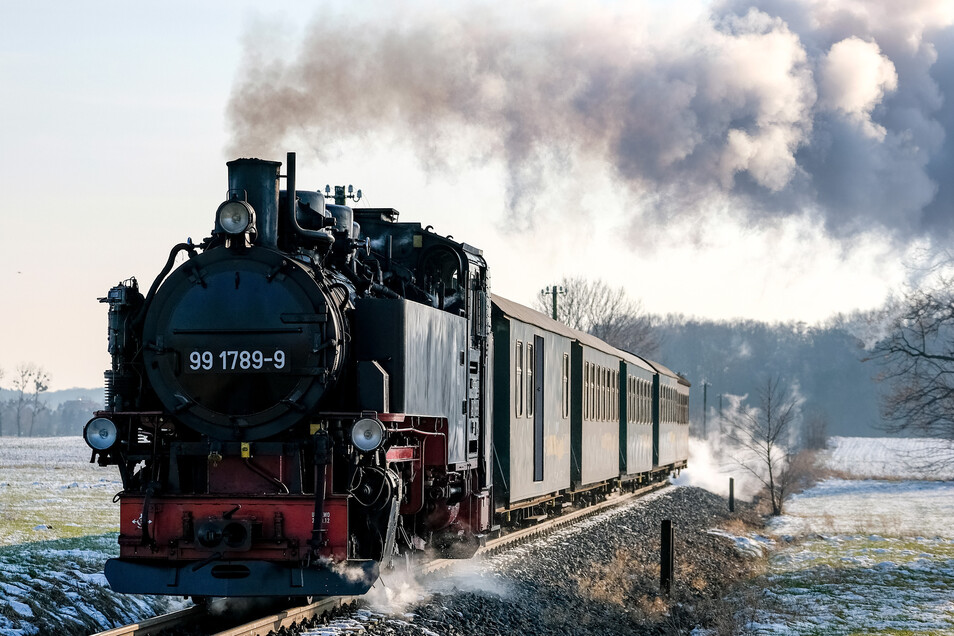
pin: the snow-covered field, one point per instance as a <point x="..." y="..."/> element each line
<point x="891" y="458"/>
<point x="58" y="526"/>
<point x="864" y="556"/>
<point x="852" y="556"/>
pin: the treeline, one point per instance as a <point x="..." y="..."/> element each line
<point x="823" y="366"/>
<point x="729" y="361"/>
<point x="66" y="418"/>
<point x="25" y="411"/>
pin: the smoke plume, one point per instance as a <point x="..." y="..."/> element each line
<point x="836" y="109"/>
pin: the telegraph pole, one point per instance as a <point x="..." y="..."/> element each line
<point x="553" y="291"/>
<point x="705" y="395"/>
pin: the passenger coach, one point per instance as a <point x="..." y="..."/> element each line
<point x="574" y="417"/>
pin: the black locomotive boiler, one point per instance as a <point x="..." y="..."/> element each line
<point x="316" y="389"/>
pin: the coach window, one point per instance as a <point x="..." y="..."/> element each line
<point x="629" y="399"/>
<point x="616" y="395"/>
<point x="566" y="385"/>
<point x="606" y="397"/>
<point x="648" y="396"/>
<point x="637" y="388"/>
<point x="591" y="391"/>
<point x="614" y="398"/>
<point x="639" y="399"/>
<point x="603" y="398"/>
<point x="585" y="396"/>
<point x="518" y="390"/>
<point x="531" y="363"/>
<point x="586" y="390"/>
<point x="601" y="384"/>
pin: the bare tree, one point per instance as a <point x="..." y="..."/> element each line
<point x="605" y="312"/>
<point x="763" y="439"/>
<point x="917" y="364"/>
<point x="41" y="382"/>
<point x="21" y="382"/>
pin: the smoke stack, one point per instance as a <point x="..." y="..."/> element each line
<point x="256" y="180"/>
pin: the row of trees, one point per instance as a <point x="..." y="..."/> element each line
<point x="29" y="382"/>
<point x="66" y="418"/>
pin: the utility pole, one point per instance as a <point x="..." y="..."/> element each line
<point x="340" y="197"/>
<point x="553" y="290"/>
<point x="720" y="414"/>
<point x="705" y="408"/>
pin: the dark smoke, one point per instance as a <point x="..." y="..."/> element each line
<point x="774" y="108"/>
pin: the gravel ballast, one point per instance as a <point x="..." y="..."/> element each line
<point x="599" y="576"/>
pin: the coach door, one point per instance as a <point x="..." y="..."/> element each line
<point x="539" y="407"/>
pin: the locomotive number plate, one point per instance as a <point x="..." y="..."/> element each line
<point x="237" y="361"/>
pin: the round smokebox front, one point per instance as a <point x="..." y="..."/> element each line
<point x="240" y="344"/>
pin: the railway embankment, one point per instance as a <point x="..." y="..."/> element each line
<point x="600" y="576"/>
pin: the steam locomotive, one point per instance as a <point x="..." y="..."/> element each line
<point x="317" y="389"/>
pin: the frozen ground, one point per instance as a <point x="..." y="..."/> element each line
<point x="891" y="458"/>
<point x="58" y="526"/>
<point x="864" y="556"/>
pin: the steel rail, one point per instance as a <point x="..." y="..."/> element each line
<point x="289" y="617"/>
<point x="152" y="626"/>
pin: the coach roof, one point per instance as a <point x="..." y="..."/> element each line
<point x="541" y="320"/>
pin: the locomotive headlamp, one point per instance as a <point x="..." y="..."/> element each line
<point x="100" y="433"/>
<point x="367" y="434"/>
<point x="235" y="216"/>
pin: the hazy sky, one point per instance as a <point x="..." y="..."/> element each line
<point x="770" y="160"/>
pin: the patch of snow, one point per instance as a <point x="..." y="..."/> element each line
<point x="20" y="608"/>
<point x="755" y="546"/>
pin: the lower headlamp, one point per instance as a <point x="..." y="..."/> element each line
<point x="367" y="434"/>
<point x="100" y="433"/>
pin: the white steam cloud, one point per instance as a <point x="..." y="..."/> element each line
<point x="832" y="108"/>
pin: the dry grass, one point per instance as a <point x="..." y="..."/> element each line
<point x="708" y="571"/>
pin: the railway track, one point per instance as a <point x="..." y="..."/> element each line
<point x="187" y="619"/>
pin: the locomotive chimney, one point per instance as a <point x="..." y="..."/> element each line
<point x="256" y="180"/>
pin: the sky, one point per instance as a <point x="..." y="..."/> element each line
<point x="767" y="160"/>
